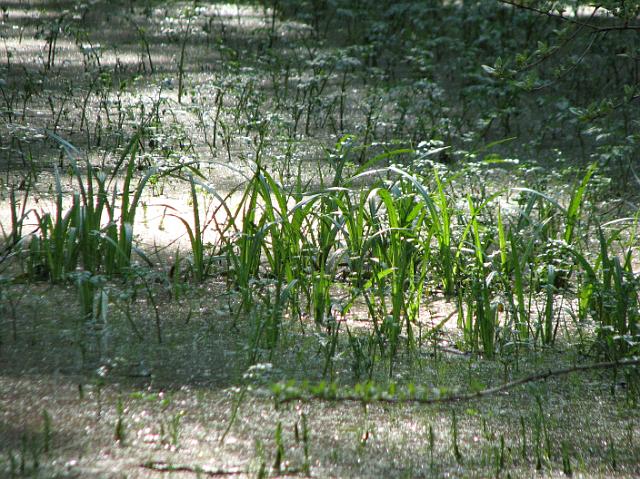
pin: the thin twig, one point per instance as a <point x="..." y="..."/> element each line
<point x="350" y="397"/>
<point x="557" y="16"/>
<point x="559" y="47"/>
<point x="234" y="414"/>
<point x="570" y="69"/>
<point x="161" y="466"/>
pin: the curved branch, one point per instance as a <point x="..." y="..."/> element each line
<point x="162" y="466"/>
<point x="384" y="398"/>
<point x="570" y="69"/>
<point x="556" y="16"/>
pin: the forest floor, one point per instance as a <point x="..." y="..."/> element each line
<point x="171" y="377"/>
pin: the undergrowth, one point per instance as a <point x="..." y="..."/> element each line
<point x="368" y="192"/>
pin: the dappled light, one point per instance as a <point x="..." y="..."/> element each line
<point x="324" y="238"/>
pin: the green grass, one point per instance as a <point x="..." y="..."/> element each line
<point x="333" y="186"/>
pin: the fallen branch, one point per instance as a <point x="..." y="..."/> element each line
<point x="160" y="466"/>
<point x="368" y="396"/>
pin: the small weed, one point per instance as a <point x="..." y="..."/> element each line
<point x="566" y="460"/>
<point x="47" y="432"/>
<point x="454" y="438"/>
<point x="120" y="433"/>
<point x="279" y="461"/>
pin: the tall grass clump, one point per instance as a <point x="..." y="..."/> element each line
<point x="54" y="251"/>
<point x="265" y="253"/>
<point x="200" y="262"/>
<point x="532" y="257"/>
<point x="88" y="234"/>
<point x="609" y="292"/>
<point x="376" y="241"/>
<point x="19" y="213"/>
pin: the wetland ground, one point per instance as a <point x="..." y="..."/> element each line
<point x="287" y="239"/>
